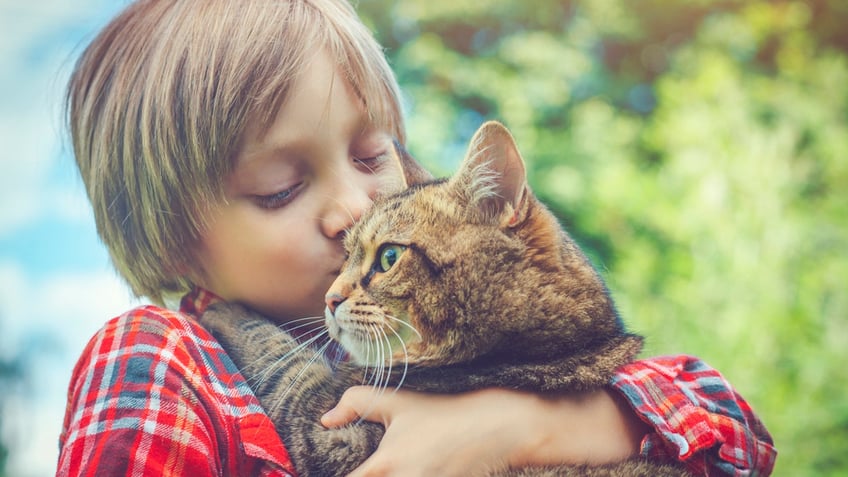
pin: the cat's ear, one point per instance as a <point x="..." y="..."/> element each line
<point x="413" y="172"/>
<point x="406" y="171"/>
<point x="493" y="177"/>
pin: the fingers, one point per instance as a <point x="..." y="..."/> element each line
<point x="357" y="402"/>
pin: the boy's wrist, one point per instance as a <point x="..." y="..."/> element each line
<point x="595" y="428"/>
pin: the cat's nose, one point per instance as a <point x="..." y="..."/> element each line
<point x="333" y="300"/>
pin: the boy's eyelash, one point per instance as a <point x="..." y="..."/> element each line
<point x="277" y="199"/>
<point x="372" y="162"/>
<point x="283" y="197"/>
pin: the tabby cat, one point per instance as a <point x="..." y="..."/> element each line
<point x="450" y="285"/>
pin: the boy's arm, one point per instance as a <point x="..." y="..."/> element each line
<point x="695" y="417"/>
<point x="674" y="409"/>
<point x="479" y="432"/>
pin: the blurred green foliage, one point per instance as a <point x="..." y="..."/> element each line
<point x="699" y="152"/>
<point x="11" y="374"/>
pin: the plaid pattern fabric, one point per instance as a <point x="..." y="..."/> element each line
<point x="696" y="416"/>
<point x="154" y="394"/>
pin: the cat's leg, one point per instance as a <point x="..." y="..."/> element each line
<point x="295" y="386"/>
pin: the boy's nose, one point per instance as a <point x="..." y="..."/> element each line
<point x="348" y="204"/>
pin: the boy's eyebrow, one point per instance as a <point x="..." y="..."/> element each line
<point x="260" y="153"/>
<point x="263" y="156"/>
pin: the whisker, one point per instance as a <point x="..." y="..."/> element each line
<point x="305" y="318"/>
<point x="318" y="321"/>
<point x="303" y="369"/>
<point x="245" y="370"/>
<point x="376" y="346"/>
<point x="378" y="356"/>
<point x="337" y="351"/>
<point x="301" y="331"/>
<point x="405" y="356"/>
<point x="383" y="377"/>
<point x="404" y="323"/>
<point x="368" y="366"/>
<point x="386" y="362"/>
<point x="260" y="377"/>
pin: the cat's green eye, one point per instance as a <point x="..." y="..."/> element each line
<point x="389" y="254"/>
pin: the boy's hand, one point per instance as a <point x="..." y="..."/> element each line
<point x="429" y="434"/>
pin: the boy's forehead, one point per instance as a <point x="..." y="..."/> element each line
<point x="319" y="99"/>
<point x="317" y="103"/>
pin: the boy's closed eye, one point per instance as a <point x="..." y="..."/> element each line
<point x="372" y="162"/>
<point x="277" y="199"/>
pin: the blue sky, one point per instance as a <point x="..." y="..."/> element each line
<point x="56" y="284"/>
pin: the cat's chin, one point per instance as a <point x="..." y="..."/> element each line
<point x="351" y="345"/>
<point x="364" y="360"/>
<point x="366" y="354"/>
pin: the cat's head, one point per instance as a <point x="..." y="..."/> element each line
<point x="449" y="270"/>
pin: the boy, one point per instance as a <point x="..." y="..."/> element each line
<point x="225" y="148"/>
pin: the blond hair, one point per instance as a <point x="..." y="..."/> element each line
<point x="159" y="101"/>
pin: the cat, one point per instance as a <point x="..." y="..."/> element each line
<point x="450" y="285"/>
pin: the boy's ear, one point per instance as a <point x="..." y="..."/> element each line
<point x="492" y="175"/>
<point x="413" y="173"/>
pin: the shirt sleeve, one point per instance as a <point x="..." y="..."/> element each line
<point x="136" y="406"/>
<point x="697" y="417"/>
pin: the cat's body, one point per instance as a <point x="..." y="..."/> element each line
<point x="449" y="286"/>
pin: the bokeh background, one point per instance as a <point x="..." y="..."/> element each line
<point x="697" y="149"/>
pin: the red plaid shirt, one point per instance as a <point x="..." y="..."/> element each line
<point x="154" y="394"/>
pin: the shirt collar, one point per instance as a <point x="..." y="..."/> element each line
<point x="196" y="301"/>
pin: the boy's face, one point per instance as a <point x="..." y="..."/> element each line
<point x="276" y="245"/>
